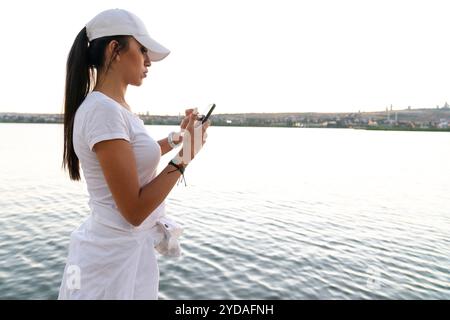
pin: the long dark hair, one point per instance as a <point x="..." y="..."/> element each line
<point x="86" y="59"/>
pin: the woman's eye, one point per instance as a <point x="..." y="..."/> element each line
<point x="144" y="50"/>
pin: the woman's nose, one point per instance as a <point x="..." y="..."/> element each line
<point x="147" y="61"/>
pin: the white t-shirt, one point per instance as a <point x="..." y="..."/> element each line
<point x="101" y="118"/>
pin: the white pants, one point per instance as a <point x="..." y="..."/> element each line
<point x="110" y="263"/>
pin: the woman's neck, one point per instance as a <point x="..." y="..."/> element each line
<point x="115" y="91"/>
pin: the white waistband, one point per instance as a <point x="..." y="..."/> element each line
<point x="163" y="230"/>
<point x="112" y="217"/>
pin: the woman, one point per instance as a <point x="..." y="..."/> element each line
<point x="112" y="254"/>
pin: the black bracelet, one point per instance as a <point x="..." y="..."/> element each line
<point x="178" y="168"/>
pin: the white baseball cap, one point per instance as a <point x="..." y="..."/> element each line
<point x="115" y="22"/>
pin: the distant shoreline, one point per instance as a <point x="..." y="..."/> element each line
<point x="270" y="126"/>
<point x="408" y="129"/>
<point x="437" y="119"/>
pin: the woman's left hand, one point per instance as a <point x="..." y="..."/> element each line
<point x="184" y="124"/>
<point x="185" y="121"/>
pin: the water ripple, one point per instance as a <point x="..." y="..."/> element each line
<point x="337" y="232"/>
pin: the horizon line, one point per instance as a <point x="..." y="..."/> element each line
<point x="283" y="112"/>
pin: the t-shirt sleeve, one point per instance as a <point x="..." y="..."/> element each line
<point x="105" y="122"/>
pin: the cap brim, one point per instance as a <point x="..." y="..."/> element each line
<point x="156" y="51"/>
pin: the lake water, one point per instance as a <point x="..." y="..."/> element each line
<point x="268" y="213"/>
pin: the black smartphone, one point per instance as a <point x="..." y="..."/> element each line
<point x="204" y="118"/>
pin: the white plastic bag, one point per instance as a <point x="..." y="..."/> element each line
<point x="169" y="245"/>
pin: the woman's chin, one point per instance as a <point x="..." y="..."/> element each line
<point x="137" y="83"/>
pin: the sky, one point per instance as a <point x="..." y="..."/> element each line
<point x="244" y="55"/>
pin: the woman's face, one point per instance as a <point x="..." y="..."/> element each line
<point x="134" y="63"/>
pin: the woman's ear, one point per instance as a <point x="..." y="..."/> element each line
<point x="113" y="50"/>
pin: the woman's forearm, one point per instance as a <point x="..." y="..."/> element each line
<point x="153" y="193"/>
<point x="165" y="147"/>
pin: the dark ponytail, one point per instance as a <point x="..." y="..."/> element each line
<point x="83" y="62"/>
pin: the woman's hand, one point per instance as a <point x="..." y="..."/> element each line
<point x="178" y="137"/>
<point x="185" y="121"/>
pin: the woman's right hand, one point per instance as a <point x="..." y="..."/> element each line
<point x="194" y="137"/>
